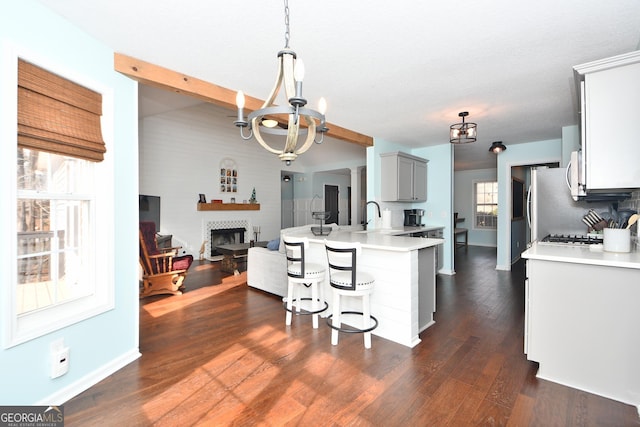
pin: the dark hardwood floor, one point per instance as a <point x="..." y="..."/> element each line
<point x="221" y="355"/>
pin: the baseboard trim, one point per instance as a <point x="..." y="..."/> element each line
<point x="446" y="272"/>
<point x="63" y="395"/>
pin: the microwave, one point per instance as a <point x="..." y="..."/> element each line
<point x="576" y="181"/>
<point x="576" y="176"/>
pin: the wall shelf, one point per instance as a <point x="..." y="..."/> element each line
<point x="228" y="206"/>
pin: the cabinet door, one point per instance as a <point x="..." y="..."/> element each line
<point x="611" y="142"/>
<point x="419" y="181"/>
<point x="405" y="179"/>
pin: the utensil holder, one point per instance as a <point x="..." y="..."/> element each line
<point x="617" y="240"/>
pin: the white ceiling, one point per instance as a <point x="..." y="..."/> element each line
<point x="400" y="71"/>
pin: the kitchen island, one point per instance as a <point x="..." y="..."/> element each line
<point x="582" y="318"/>
<point x="404" y="268"/>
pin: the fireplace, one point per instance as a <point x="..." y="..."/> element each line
<point x="226" y="236"/>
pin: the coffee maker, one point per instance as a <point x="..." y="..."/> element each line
<point x="413" y="217"/>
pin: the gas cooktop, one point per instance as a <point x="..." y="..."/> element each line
<point x="571" y="239"/>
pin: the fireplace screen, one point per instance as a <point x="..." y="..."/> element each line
<point x="226" y="236"/>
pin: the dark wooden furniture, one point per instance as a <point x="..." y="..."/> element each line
<point x="163" y="272"/>
<point x="228" y="206"/>
<point x="235" y="256"/>
<point x="459" y="231"/>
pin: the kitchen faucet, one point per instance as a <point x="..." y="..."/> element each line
<point x="364" y="214"/>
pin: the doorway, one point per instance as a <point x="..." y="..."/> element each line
<point x="331" y="203"/>
<point x="286" y="200"/>
<point x="349" y="205"/>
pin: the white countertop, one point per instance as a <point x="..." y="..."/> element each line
<point x="382" y="239"/>
<point x="592" y="255"/>
<point x="398" y="231"/>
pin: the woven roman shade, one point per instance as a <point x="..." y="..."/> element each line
<point x="57" y="115"/>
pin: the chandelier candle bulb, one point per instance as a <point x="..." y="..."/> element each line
<point x="240" y="104"/>
<point x="322" y="105"/>
<point x="240" y="100"/>
<point x="298" y="71"/>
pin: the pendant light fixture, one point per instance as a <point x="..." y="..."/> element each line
<point x="462" y="133"/>
<point x="291" y="120"/>
<point x="497" y="147"/>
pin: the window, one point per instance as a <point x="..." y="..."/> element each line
<point x="59" y="185"/>
<point x="54" y="237"/>
<point x="486" y="204"/>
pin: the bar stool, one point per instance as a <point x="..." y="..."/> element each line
<point x="346" y="280"/>
<point x="303" y="273"/>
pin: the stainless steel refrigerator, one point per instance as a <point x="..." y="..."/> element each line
<point x="551" y="210"/>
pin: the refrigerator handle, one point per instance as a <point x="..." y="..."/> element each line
<point x="567" y="175"/>
<point x="529" y="206"/>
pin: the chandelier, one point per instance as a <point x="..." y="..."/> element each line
<point x="294" y="122"/>
<point x="462" y="133"/>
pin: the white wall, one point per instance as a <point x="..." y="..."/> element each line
<point x="180" y="155"/>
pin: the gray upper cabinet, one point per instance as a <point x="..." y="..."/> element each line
<point x="404" y="177"/>
<point x="610" y="105"/>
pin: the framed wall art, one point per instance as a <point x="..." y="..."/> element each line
<point x="228" y="176"/>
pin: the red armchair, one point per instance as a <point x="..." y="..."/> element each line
<point x="163" y="271"/>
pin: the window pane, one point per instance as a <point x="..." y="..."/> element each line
<point x="486" y="204"/>
<point x="53" y="230"/>
<point x="42" y="171"/>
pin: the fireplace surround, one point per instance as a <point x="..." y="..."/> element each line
<point x="223" y="232"/>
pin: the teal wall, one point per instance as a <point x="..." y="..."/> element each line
<point x="439" y="205"/>
<point x="570" y="142"/>
<point x="107" y="341"/>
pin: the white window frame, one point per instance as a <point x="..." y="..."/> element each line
<point x="22" y="328"/>
<point x="475" y="204"/>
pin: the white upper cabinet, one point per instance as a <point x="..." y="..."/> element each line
<point x="404" y="177"/>
<point x="610" y="135"/>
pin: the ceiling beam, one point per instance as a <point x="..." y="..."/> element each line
<point x="163" y="78"/>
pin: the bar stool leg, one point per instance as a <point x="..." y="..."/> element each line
<point x="314" y="303"/>
<point x="289" y="303"/>
<point x="335" y="320"/>
<point x="366" y="319"/>
<point x="297" y="298"/>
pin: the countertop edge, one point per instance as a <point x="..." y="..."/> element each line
<point x="582" y="255"/>
<point x="374" y="240"/>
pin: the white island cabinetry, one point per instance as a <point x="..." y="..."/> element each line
<point x="403" y="299"/>
<point x="582" y="319"/>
